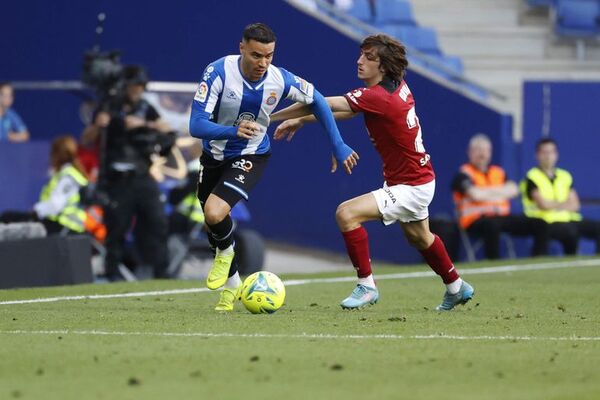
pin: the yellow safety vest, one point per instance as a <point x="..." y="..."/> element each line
<point x="71" y="216"/>
<point x="557" y="190"/>
<point x="191" y="208"/>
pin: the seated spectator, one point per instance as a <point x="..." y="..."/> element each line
<point x="12" y="128"/>
<point x="548" y="194"/>
<point x="59" y="207"/>
<point x="482" y="198"/>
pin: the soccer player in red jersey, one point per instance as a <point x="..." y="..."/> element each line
<point x="393" y="126"/>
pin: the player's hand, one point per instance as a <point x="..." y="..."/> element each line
<point x="288" y="129"/>
<point x="349" y="163"/>
<point x="248" y="129"/>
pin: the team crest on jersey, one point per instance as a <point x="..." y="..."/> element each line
<point x="272" y="99"/>
<point x="245" y="116"/>
<point x="201" y="92"/>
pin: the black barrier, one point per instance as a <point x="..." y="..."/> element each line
<point x="49" y="261"/>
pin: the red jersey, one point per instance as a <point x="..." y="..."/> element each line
<point x="394" y="129"/>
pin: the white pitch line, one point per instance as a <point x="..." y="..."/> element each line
<point x="295" y="282"/>
<point x="303" y="336"/>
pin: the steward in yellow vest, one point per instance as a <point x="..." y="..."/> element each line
<point x="548" y="194"/>
<point x="59" y="199"/>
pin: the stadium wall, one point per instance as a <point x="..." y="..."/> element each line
<point x="296" y="200"/>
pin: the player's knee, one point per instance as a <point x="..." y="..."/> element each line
<point x="344" y="215"/>
<point x="214" y="215"/>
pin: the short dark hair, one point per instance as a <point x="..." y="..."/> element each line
<point x="544" y="141"/>
<point x="259" y="32"/>
<point x="4" y="83"/>
<point x="392" y="54"/>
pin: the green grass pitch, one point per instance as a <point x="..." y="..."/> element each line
<point x="527" y="334"/>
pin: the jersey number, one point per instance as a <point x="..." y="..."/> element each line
<point x="413" y="121"/>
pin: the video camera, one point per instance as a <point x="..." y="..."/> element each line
<point x="103" y="72"/>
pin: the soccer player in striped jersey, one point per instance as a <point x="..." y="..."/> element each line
<point x="231" y="113"/>
<point x="409" y="181"/>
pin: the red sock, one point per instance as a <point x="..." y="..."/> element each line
<point x="438" y="259"/>
<point x="357" y="244"/>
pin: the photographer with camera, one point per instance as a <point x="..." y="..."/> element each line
<point x="133" y="135"/>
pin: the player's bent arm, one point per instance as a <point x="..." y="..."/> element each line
<point x="296" y="110"/>
<point x="339" y="104"/>
<point x="202" y="128"/>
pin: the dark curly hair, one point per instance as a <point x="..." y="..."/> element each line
<point x="391" y="53"/>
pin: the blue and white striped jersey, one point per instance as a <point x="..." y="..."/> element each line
<point x="226" y="98"/>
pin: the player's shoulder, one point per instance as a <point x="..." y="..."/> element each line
<point x="216" y="68"/>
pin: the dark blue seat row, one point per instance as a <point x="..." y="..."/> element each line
<point x="575" y="18"/>
<point x="385" y="12"/>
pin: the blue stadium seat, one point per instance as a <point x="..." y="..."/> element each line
<point x="448" y="65"/>
<point x="422" y="39"/>
<point x="578" y="18"/>
<point x="540" y="3"/>
<point x="394" y="12"/>
<point x="362" y="11"/>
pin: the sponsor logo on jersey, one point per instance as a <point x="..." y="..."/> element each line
<point x="245" y="116"/>
<point x="243" y="164"/>
<point x="201" y="92"/>
<point x="423" y="161"/>
<point x="272" y="99"/>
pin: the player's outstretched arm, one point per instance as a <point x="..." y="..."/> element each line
<point x="288" y="128"/>
<point x="341" y="151"/>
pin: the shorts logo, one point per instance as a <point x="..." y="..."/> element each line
<point x="240" y="178"/>
<point x="390" y="194"/>
<point x="272" y="99"/>
<point x="201" y="92"/>
<point x="245" y="116"/>
<point x="243" y="164"/>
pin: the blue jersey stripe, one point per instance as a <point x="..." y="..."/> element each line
<point x="264" y="146"/>
<point x="249" y="109"/>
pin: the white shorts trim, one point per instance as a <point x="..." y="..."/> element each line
<point x="404" y="203"/>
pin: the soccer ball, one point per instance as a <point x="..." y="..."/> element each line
<point x="263" y="292"/>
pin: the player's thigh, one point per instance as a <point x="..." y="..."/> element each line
<point x="404" y="203"/>
<point x="208" y="177"/>
<point x="239" y="176"/>
<point x="359" y="209"/>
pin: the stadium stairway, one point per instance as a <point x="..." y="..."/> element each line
<point x="504" y="42"/>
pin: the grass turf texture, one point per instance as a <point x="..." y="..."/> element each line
<point x="559" y="303"/>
